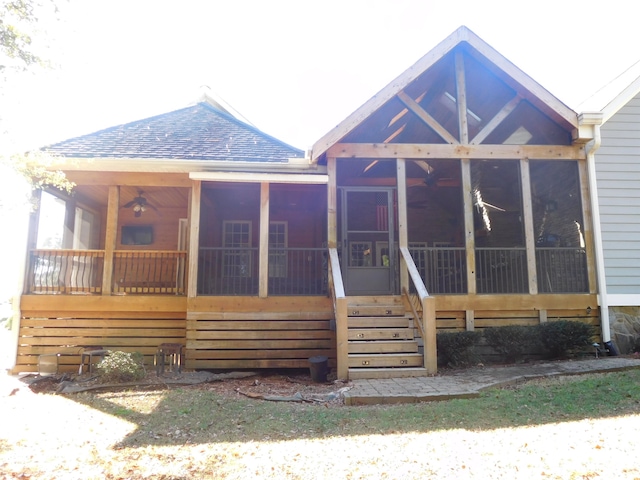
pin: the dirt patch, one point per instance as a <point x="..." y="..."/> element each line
<point x="294" y="386"/>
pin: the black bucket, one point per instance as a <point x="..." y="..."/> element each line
<point x="319" y="368"/>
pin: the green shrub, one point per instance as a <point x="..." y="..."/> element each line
<point x="561" y="337"/>
<point x="456" y="349"/>
<point x="512" y="341"/>
<point x="121" y="367"/>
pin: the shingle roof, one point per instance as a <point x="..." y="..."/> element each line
<point x="198" y="132"/>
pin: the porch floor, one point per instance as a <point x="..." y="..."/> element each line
<point x="470" y="382"/>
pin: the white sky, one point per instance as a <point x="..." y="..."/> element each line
<point x="294" y="68"/>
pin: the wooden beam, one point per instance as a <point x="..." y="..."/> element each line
<point x="444" y="151"/>
<point x="194" y="239"/>
<point x="263" y="255"/>
<point x="469" y="230"/>
<point x="529" y="234"/>
<point x="515" y="302"/>
<point x="461" y="98"/>
<point x="497" y="120"/>
<point x="427" y="119"/>
<point x="111" y="236"/>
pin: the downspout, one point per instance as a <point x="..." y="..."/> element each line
<point x="595" y="120"/>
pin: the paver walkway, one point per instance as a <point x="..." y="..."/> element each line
<point x="470" y="382"/>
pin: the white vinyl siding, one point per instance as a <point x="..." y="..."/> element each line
<point x="618" y="177"/>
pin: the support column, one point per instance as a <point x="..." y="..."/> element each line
<point x="403" y="235"/>
<point x="529" y="234"/>
<point x="469" y="233"/>
<point x="110" y="239"/>
<point x="194" y="239"/>
<point x="332" y="204"/>
<point x="263" y="251"/>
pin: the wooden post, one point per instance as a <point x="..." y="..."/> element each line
<point x="403" y="236"/>
<point x="263" y="251"/>
<point x="470" y="320"/>
<point x="529" y="234"/>
<point x="110" y="238"/>
<point x="332" y="204"/>
<point x="469" y="233"/>
<point x="461" y="98"/>
<point x="589" y="241"/>
<point x="194" y="239"/>
<point x="342" y="338"/>
<point x="429" y="324"/>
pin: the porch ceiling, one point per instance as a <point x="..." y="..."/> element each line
<point x="96" y="196"/>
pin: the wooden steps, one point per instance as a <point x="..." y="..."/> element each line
<point x="381" y="339"/>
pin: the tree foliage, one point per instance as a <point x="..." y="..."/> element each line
<point x="18" y="22"/>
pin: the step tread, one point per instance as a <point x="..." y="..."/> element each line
<point x="381" y="347"/>
<point x="378" y="373"/>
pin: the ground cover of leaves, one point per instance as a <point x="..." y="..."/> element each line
<point x="213" y="430"/>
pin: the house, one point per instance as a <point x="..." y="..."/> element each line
<point x="456" y="198"/>
<point x="617" y="173"/>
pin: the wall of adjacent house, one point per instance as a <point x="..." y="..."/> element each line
<point x="618" y="177"/>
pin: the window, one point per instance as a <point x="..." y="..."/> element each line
<point x="277" y="249"/>
<point x="236" y="238"/>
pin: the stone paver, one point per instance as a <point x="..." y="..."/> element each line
<point x="470" y="382"/>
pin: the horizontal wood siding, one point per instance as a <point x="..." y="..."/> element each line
<point x="251" y="332"/>
<point x="618" y="177"/>
<point x="65" y="324"/>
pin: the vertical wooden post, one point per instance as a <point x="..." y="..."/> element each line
<point x="110" y="238"/>
<point x="529" y="234"/>
<point x="589" y="241"/>
<point x="469" y="233"/>
<point x="470" y="320"/>
<point x="332" y="204"/>
<point x="461" y="98"/>
<point x="403" y="235"/>
<point x="342" y="338"/>
<point x="429" y="324"/>
<point x="194" y="239"/>
<point x="263" y="251"/>
<point x="542" y="316"/>
<point x="32" y="239"/>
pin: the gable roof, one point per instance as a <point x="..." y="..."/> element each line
<point x="198" y="132"/>
<point x="508" y="72"/>
<point x="621" y="100"/>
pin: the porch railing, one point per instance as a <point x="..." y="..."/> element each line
<point x="65" y="271"/>
<point x="149" y="272"/>
<point x="562" y="270"/>
<point x="501" y="270"/>
<point x="234" y="271"/>
<point x="442" y="269"/>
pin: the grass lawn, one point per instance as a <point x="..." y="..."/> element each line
<point x="569" y="427"/>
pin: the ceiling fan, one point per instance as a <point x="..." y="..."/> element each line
<point x="140" y="205"/>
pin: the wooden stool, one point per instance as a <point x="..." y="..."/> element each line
<point x="88" y="353"/>
<point x="170" y="351"/>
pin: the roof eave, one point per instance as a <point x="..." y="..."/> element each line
<point x="105" y="164"/>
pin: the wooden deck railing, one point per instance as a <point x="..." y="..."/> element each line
<point x="53" y="271"/>
<point x="339" y="298"/>
<point x="149" y="272"/>
<point x="426" y="322"/>
<point x="562" y="270"/>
